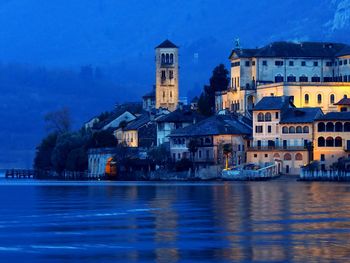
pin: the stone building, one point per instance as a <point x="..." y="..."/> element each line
<point x="167" y="76"/>
<point x="282" y="133"/>
<point x="282" y="68"/>
<point x="211" y="135"/>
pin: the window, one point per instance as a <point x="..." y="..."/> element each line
<point x="303" y="78"/>
<point x="328" y="63"/>
<point x="255" y="156"/>
<point x="340" y="62"/>
<point x="171" y="58"/>
<point x="279" y="78"/>
<point x="247" y="63"/>
<point x="235" y="64"/>
<point x="345" y="62"/>
<point x="163" y="58"/>
<point x="303" y="63"/>
<point x="269" y="129"/>
<point x="287" y="157"/>
<point x="285" y="130"/>
<point x="291" y="129"/>
<point x="264" y="63"/>
<point x="260" y="117"/>
<point x="322" y="157"/>
<point x="266" y="155"/>
<point x="171" y="74"/>
<point x="329" y="142"/>
<point x="291" y="78"/>
<point x="207" y="154"/>
<point x="163" y="94"/>
<point x="276" y="115"/>
<point x="315" y="79"/>
<point x="167" y="58"/>
<point x="299" y="129"/>
<point x="329" y="127"/>
<point x="171" y="94"/>
<point x="259" y="129"/>
<point x="321" y="127"/>
<point x="315" y="63"/>
<point x="338" y="142"/>
<point x="279" y="63"/>
<point x="338" y="127"/>
<point x="200" y="154"/>
<point x="321" y="142"/>
<point x="291" y="63"/>
<point x="331" y="98"/>
<point x="298" y="157"/>
<point x="253" y="63"/>
<point x="306" y="98"/>
<point x="319" y="98"/>
<point x="267" y="116"/>
<point x="305" y="129"/>
<point x="347" y="126"/>
<point x="163" y="74"/>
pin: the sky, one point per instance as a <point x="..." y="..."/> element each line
<point x="120" y="36"/>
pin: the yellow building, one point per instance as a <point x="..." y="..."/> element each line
<point x="282" y="133"/>
<point x="332" y="138"/>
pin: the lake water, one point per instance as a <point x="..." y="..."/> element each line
<point x="276" y="221"/>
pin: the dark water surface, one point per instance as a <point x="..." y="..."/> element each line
<point x="276" y="221"/>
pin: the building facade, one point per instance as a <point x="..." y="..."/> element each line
<point x="167" y="76"/>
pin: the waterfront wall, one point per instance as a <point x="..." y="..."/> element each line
<point x="306" y="175"/>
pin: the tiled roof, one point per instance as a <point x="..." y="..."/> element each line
<point x="345" y="51"/>
<point x="273" y="103"/>
<point x="215" y="125"/>
<point x="335" y="116"/>
<point x="300" y="115"/>
<point x="181" y="115"/>
<point x="167" y="44"/>
<point x="343" y="101"/>
<point x="296" y="50"/>
<point x="138" y="123"/>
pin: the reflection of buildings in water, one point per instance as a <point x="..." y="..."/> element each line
<point x="165" y="223"/>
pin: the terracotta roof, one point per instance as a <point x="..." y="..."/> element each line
<point x="343" y="101"/>
<point x="167" y="44"/>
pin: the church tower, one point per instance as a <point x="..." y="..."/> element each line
<point x="167" y="76"/>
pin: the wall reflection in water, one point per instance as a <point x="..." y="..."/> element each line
<point x="244" y="221"/>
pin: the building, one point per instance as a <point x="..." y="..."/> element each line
<point x="282" y="69"/>
<point x="167" y="76"/>
<point x="343" y="104"/>
<point x="180" y="118"/>
<point x="282" y="133"/>
<point x="211" y="135"/>
<point x="332" y="138"/>
<point x="149" y="100"/>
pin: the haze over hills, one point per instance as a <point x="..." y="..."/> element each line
<point x="119" y="38"/>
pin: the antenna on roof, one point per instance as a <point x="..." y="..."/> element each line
<point x="237" y="43"/>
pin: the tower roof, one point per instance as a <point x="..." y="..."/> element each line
<point x="167" y="44"/>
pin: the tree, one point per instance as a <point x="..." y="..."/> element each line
<point x="77" y="160"/>
<point x="42" y="159"/>
<point x="58" y="121"/>
<point x="227" y="150"/>
<point x="159" y="155"/>
<point x="103" y="138"/>
<point x="219" y="81"/>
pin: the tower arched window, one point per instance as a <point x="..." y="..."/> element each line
<point x="171" y="58"/>
<point x="167" y="59"/>
<point x="319" y="98"/>
<point x="306" y="98"/>
<point x="331" y="98"/>
<point x="321" y="142"/>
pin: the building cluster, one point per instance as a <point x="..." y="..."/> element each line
<point x="287" y="103"/>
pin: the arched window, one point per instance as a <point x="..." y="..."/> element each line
<point x="276" y="155"/>
<point x="284" y="129"/>
<point x="331" y="98"/>
<point x="298" y="157"/>
<point x="299" y="129"/>
<point x="163" y="58"/>
<point x="338" y="142"/>
<point x="315" y="79"/>
<point x="306" y="129"/>
<point x="279" y="78"/>
<point x="291" y="78"/>
<point x="329" y="142"/>
<point x="167" y="58"/>
<point x="321" y="127"/>
<point x="303" y="78"/>
<point x="267" y="116"/>
<point x="171" y="58"/>
<point x="307" y="98"/>
<point x="260" y="117"/>
<point x="329" y="127"/>
<point x="338" y="127"/>
<point x="287" y="157"/>
<point x="163" y="94"/>
<point x="291" y="129"/>
<point x="347" y="126"/>
<point x="319" y="98"/>
<point x="320" y="142"/>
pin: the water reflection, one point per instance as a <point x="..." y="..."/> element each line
<point x="279" y="221"/>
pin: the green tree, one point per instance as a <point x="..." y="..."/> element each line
<point x="77" y="160"/>
<point x="58" y="121"/>
<point x="103" y="138"/>
<point x="44" y="151"/>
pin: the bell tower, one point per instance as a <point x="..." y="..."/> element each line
<point x="167" y="76"/>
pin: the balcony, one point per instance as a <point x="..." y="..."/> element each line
<point x="277" y="148"/>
